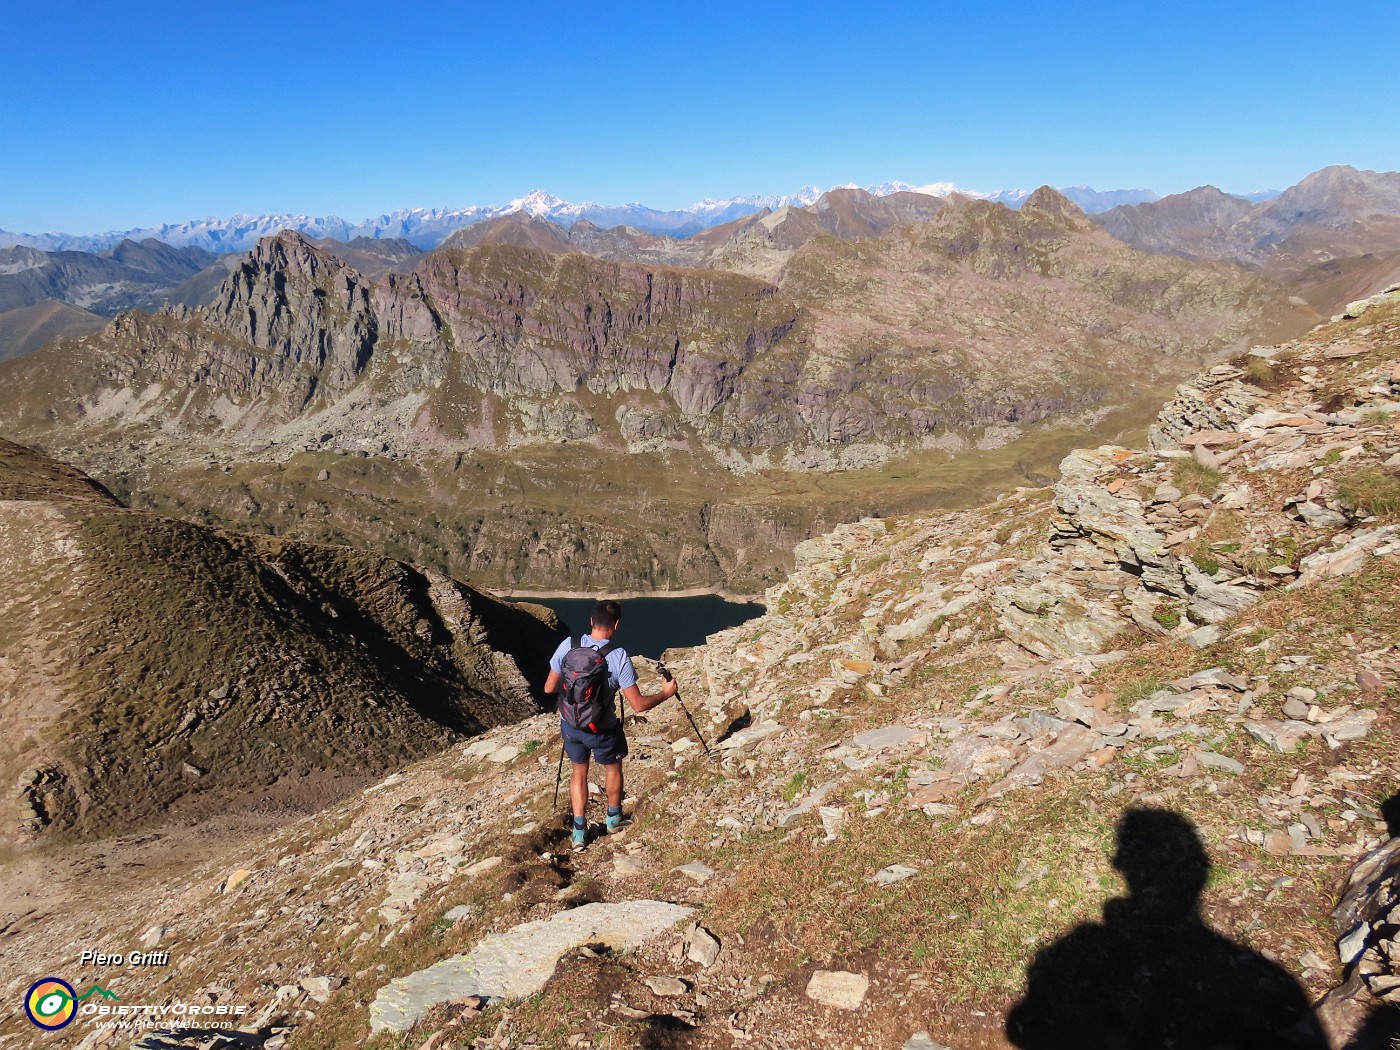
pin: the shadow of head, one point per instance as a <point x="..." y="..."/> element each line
<point x="1390" y="813"/>
<point x="664" y="1032"/>
<point x="1154" y="975"/>
<point x="1161" y="858"/>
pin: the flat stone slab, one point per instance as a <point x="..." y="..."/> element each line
<point x="811" y="802"/>
<point x="750" y="737"/>
<point x="922" y="1041"/>
<point x="1071" y="745"/>
<point x="518" y="963"/>
<point x="838" y="988"/>
<point x="1224" y="763"/>
<point x="895" y="873"/>
<point x="481" y="867"/>
<point x="888" y="737"/>
<point x="697" y="872"/>
<point x="1281" y="736"/>
<point x="665" y="986"/>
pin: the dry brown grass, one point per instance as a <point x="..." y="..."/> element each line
<point x="1372" y="491"/>
<point x="1258" y="371"/>
<point x="1193" y="477"/>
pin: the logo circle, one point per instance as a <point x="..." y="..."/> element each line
<point x="51" y="1003"/>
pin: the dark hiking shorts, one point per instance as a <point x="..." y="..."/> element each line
<point x="609" y="747"/>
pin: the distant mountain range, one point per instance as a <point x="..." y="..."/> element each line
<point x="428" y="227"/>
<point x="50" y="295"/>
<point x="835" y="337"/>
<point x="1334" y="213"/>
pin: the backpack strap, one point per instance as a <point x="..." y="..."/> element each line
<point x="603" y="651"/>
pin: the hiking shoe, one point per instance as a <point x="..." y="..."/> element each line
<point x="580" y="839"/>
<point x="617" y="823"/>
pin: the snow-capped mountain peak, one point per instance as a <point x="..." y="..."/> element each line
<point x="933" y="189"/>
<point x="541" y="202"/>
<point x="428" y="227"/>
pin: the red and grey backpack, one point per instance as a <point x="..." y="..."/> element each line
<point x="586" y="701"/>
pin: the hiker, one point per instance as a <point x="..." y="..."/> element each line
<point x="588" y="673"/>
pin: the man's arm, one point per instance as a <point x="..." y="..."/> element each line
<point x="552" y="682"/>
<point x="639" y="703"/>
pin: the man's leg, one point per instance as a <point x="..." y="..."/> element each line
<point x="578" y="788"/>
<point x="577" y="754"/>
<point x="612" y="784"/>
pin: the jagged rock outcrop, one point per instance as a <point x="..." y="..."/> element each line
<point x="1364" y="1010"/>
<point x="310" y="309"/>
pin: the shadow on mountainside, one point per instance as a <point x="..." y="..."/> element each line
<point x="1152" y="975"/>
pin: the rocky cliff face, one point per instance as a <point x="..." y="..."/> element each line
<point x="967" y="329"/>
<point x="735" y="361"/>
<point x="526" y="325"/>
<point x="147" y="663"/>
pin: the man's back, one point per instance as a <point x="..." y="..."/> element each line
<point x="621" y="672"/>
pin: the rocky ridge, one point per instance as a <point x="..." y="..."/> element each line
<point x="428" y="227"/>
<point x="504" y="345"/>
<point x="127" y="275"/>
<point x="25" y="329"/>
<point x="908" y="771"/>
<point x="46" y="296"/>
<point x="495" y="368"/>
<point x="149" y="665"/>
<point x="1334" y="213"/>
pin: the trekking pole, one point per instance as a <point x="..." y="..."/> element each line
<point x="667" y="675"/>
<point x="558" y="775"/>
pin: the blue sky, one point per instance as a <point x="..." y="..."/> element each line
<point x="120" y="115"/>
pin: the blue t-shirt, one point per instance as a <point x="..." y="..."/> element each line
<point x="621" y="673"/>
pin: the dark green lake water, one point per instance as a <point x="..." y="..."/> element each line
<point x="651" y="625"/>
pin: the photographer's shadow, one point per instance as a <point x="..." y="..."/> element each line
<point x="1153" y="975"/>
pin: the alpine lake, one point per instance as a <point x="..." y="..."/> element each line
<point x="652" y="625"/>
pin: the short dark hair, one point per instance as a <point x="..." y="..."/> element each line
<point x="606" y="614"/>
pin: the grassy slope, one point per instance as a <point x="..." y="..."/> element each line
<point x="136" y="645"/>
<point x="25" y="329"/>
